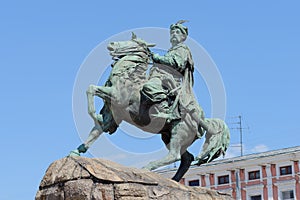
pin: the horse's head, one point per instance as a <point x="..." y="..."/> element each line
<point x="135" y="46"/>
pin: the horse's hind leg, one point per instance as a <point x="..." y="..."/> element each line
<point x="186" y="159"/>
<point x="172" y="156"/>
<point x="182" y="136"/>
<point x="185" y="162"/>
<point x="175" y="148"/>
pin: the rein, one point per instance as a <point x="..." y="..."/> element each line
<point x="121" y="52"/>
<point x="131" y="55"/>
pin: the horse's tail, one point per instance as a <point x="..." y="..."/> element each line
<point x="217" y="139"/>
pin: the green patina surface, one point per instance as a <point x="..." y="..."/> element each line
<point x="161" y="102"/>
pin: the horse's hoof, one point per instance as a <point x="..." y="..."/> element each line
<point x="197" y="161"/>
<point x="148" y="168"/>
<point x="99" y="117"/>
<point x="145" y="168"/>
<point x="74" y="153"/>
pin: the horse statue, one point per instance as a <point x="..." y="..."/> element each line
<point x="123" y="102"/>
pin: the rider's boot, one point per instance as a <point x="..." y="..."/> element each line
<point x="163" y="111"/>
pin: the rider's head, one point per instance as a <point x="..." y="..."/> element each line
<point x="178" y="33"/>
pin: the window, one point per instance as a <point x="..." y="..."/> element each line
<point x="254" y="175"/>
<point x="288" y="195"/>
<point x="194" y="183"/>
<point x="223" y="179"/>
<point x="286" y="170"/>
<point x="256" y="197"/>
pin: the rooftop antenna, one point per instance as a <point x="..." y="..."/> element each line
<point x="240" y="128"/>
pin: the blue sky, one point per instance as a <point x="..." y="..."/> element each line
<point x="255" y="46"/>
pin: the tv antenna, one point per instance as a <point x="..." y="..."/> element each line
<point x="240" y="128"/>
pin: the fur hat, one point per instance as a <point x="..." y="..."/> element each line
<point x="179" y="25"/>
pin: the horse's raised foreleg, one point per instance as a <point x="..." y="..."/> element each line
<point x="104" y="92"/>
<point x="93" y="136"/>
<point x="97" y="130"/>
<point x="92" y="91"/>
<point x="91" y="102"/>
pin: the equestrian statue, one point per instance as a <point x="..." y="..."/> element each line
<point x="159" y="101"/>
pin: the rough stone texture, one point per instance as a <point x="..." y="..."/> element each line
<point x="79" y="178"/>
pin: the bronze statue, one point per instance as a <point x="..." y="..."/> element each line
<point x="162" y="102"/>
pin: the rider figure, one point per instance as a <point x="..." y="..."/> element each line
<point x="171" y="76"/>
<point x="179" y="55"/>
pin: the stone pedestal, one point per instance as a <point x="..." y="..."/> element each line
<point x="79" y="178"/>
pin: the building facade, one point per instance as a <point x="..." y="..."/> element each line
<point x="272" y="175"/>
